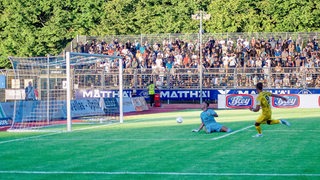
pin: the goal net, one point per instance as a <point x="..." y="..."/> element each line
<point x="66" y="92"/>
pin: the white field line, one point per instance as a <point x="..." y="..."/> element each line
<point x="123" y="139"/>
<point x="289" y="130"/>
<point x="233" y="132"/>
<point x="164" y="139"/>
<point x="26" y="138"/>
<point x="158" y="173"/>
<point x="50" y="134"/>
<point x="93" y="127"/>
<point x="216" y="138"/>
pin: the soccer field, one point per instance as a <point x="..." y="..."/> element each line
<point x="154" y="146"/>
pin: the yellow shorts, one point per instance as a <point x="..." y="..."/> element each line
<point x="262" y="119"/>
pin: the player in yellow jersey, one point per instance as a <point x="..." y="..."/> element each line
<point x="263" y="102"/>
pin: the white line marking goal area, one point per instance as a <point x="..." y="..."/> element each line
<point x="233" y="132"/>
<point x="158" y="173"/>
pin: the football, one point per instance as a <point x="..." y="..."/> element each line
<point x="179" y="120"/>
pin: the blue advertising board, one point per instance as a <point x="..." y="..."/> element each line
<point x="33" y="110"/>
<point x="86" y="107"/>
<point x="190" y="94"/>
<point x="2" y="81"/>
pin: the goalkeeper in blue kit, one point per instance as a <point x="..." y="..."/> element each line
<point x="208" y="120"/>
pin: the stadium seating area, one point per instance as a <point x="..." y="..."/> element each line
<point x="174" y="64"/>
<point x="239" y="62"/>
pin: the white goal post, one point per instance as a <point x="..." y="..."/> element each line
<point x="71" y="59"/>
<point x="47" y="92"/>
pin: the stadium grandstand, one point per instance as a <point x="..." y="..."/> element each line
<point x="279" y="60"/>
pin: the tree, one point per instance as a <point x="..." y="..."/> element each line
<point x="42" y="27"/>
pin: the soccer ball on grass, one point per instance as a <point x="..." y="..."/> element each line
<point x="179" y="120"/>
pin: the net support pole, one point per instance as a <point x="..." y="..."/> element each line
<point x="68" y="92"/>
<point x="120" y="91"/>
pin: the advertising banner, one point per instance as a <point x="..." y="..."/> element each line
<point x="36" y="110"/>
<point x="2" y="81"/>
<point x="139" y="103"/>
<point x="239" y="101"/>
<point x="111" y="105"/>
<point x="4" y="120"/>
<point x="86" y="107"/>
<point x="15" y="94"/>
<point x="190" y="94"/>
<point x="128" y="105"/>
<point x="293" y="101"/>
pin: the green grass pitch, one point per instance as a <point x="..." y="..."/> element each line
<point x="154" y="146"/>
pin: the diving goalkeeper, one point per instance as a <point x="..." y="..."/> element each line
<point x="208" y="120"/>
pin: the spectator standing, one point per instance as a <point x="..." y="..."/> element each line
<point x="291" y="48"/>
<point x="134" y="63"/>
<point x="284" y="56"/>
<point x="278" y="82"/>
<point x="186" y="60"/>
<point x="297" y="61"/>
<point x="317" y="81"/>
<point x="169" y="65"/>
<point x="286" y="81"/>
<point x="30" y="92"/>
<point x="257" y="47"/>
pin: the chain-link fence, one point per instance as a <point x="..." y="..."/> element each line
<point x="185" y="78"/>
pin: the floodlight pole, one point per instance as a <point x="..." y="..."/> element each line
<point x="200" y="16"/>
<point x="68" y="73"/>
<point x="121" y="90"/>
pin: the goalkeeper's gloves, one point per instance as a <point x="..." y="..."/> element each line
<point x="195" y="130"/>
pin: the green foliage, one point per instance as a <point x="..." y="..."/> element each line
<point x="41" y="27"/>
<point x="147" y="17"/>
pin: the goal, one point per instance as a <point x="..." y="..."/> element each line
<point x="61" y="93"/>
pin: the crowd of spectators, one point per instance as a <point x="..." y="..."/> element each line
<point x="283" y="62"/>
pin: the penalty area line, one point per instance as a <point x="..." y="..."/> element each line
<point x="157" y="173"/>
<point x="233" y="132"/>
<point x="27" y="138"/>
<point x="50" y="134"/>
